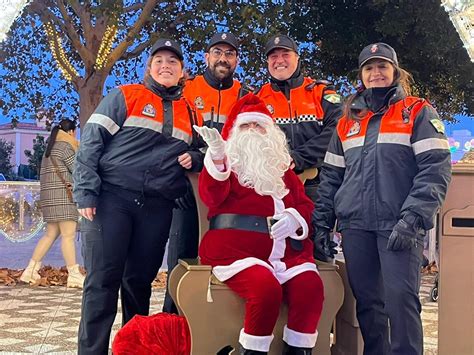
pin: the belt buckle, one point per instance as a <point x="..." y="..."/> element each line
<point x="270" y="222"/>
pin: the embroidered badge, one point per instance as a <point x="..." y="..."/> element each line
<point x="355" y="129"/>
<point x="332" y="98"/>
<point x="374" y="48"/>
<point x="224" y="36"/>
<point x="199" y="103"/>
<point x="149" y="110"/>
<point x="168" y="43"/>
<point x="277" y="40"/>
<point x="271" y="109"/>
<point x="438" y="125"/>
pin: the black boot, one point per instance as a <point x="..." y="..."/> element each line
<point x="244" y="351"/>
<point x="293" y="350"/>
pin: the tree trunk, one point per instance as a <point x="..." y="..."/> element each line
<point x="90" y="94"/>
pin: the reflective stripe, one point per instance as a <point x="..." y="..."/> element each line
<point x="353" y="143"/>
<point x="179" y="134"/>
<point x="134" y="121"/>
<point x="395" y="138"/>
<point x="429" y="144"/>
<point x="105" y="122"/>
<point x="334" y="159"/>
<point x="207" y="117"/>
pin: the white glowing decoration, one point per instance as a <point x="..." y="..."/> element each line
<point x="9" y="11"/>
<point x="20" y="214"/>
<point x="461" y="14"/>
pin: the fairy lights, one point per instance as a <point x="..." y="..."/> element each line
<point x="106" y="46"/>
<point x="11" y="9"/>
<point x="59" y="55"/>
<point x="20" y="215"/>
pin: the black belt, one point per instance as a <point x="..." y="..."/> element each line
<point x="248" y="223"/>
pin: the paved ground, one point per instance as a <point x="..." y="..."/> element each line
<point x="45" y="320"/>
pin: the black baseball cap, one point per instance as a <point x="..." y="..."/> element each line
<point x="378" y="50"/>
<point x="224" y="37"/>
<point x="280" y="41"/>
<point x="168" y="44"/>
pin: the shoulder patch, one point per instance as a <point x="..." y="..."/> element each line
<point x="332" y="98"/>
<point x="438" y="125"/>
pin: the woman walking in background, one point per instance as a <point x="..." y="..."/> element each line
<point x="59" y="212"/>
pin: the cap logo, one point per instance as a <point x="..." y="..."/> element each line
<point x="277" y="40"/>
<point x="224" y="36"/>
<point x="374" y="48"/>
<point x="168" y="43"/>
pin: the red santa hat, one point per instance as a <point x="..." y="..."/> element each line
<point x="248" y="109"/>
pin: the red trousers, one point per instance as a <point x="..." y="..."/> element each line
<point x="263" y="294"/>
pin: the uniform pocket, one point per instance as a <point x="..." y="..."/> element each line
<point x="92" y="244"/>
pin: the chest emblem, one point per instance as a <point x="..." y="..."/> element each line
<point x="149" y="110"/>
<point x="271" y="109"/>
<point x="355" y="129"/>
<point x="199" y="103"/>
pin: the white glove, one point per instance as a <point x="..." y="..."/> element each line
<point x="286" y="226"/>
<point x="214" y="141"/>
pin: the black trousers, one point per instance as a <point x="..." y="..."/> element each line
<point x="386" y="286"/>
<point x="183" y="243"/>
<point x="123" y="248"/>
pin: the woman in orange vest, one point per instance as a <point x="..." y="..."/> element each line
<point x="385" y="175"/>
<point x="136" y="148"/>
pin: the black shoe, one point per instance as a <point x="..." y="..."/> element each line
<point x="293" y="350"/>
<point x="244" y="351"/>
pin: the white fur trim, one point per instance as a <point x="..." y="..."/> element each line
<point x="288" y="274"/>
<point x="225" y="272"/>
<point x="247" y="117"/>
<point x="278" y="204"/>
<point x="213" y="170"/>
<point x="302" y="222"/>
<point x="255" y="342"/>
<point x="299" y="340"/>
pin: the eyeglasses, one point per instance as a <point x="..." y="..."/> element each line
<point x="229" y="54"/>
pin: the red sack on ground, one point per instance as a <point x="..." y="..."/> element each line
<point x="160" y="334"/>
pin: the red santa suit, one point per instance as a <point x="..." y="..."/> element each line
<point x="263" y="270"/>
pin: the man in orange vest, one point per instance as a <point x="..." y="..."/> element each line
<point x="306" y="110"/>
<point x="213" y="94"/>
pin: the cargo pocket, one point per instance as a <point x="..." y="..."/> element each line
<point x="92" y="243"/>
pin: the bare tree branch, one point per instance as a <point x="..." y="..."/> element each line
<point x="132" y="33"/>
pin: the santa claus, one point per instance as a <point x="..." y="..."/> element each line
<point x="259" y="217"/>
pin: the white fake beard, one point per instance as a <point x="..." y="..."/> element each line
<point x="260" y="159"/>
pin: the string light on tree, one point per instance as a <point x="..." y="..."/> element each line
<point x="106" y="46"/>
<point x="59" y="55"/>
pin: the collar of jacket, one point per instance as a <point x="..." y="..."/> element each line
<point x="217" y="84"/>
<point x="64" y="137"/>
<point x="377" y="100"/>
<point x="171" y="93"/>
<point x="294" y="81"/>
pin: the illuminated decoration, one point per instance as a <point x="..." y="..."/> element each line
<point x="468" y="146"/>
<point x="11" y="9"/>
<point x="59" y="55"/>
<point x="106" y="46"/>
<point x="20" y="214"/>
<point x="453" y="145"/>
<point x="461" y="14"/>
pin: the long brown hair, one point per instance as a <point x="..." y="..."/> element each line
<point x="401" y="77"/>
<point x="65" y="125"/>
